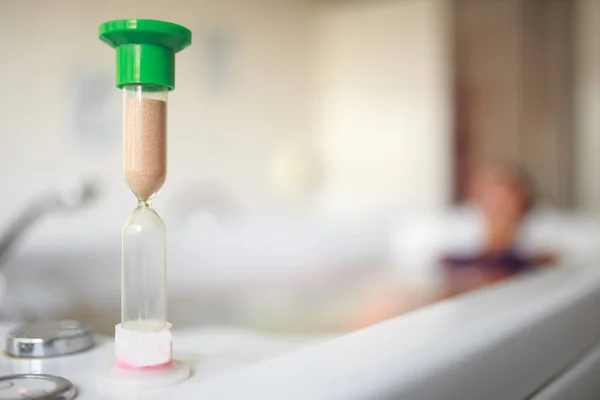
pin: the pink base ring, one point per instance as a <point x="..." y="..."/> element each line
<point x="128" y="367"/>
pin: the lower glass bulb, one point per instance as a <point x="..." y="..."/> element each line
<point x="144" y="295"/>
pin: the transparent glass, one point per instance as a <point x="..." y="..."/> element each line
<point x="144" y="292"/>
<point x="145" y="139"/>
<point x="144" y="301"/>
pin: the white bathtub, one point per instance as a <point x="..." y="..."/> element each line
<point x="532" y="336"/>
<point x="279" y="274"/>
<point x="286" y="274"/>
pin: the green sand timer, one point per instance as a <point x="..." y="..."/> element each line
<point x="145" y="71"/>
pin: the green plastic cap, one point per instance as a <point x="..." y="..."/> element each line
<point x="145" y="49"/>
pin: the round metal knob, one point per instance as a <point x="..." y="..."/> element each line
<point x="49" y="339"/>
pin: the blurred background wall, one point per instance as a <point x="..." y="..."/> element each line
<point x="244" y="90"/>
<point x="587" y="95"/>
<point x="514" y="86"/>
<point x="336" y="107"/>
<point x="384" y="98"/>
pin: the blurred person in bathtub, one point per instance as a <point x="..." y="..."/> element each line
<point x="503" y="195"/>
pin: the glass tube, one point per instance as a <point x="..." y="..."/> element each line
<point x="145" y="139"/>
<point x="144" y="292"/>
<point x="144" y="302"/>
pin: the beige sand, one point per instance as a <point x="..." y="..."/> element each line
<point x="145" y="146"/>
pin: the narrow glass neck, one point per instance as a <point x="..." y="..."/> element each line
<point x="147" y="203"/>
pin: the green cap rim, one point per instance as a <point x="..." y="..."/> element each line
<point x="145" y="50"/>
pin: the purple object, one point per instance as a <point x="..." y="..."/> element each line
<point x="509" y="261"/>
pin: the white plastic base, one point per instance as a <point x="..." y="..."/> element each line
<point x="123" y="382"/>
<point x="142" y="347"/>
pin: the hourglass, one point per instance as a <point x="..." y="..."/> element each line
<point x="145" y="53"/>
